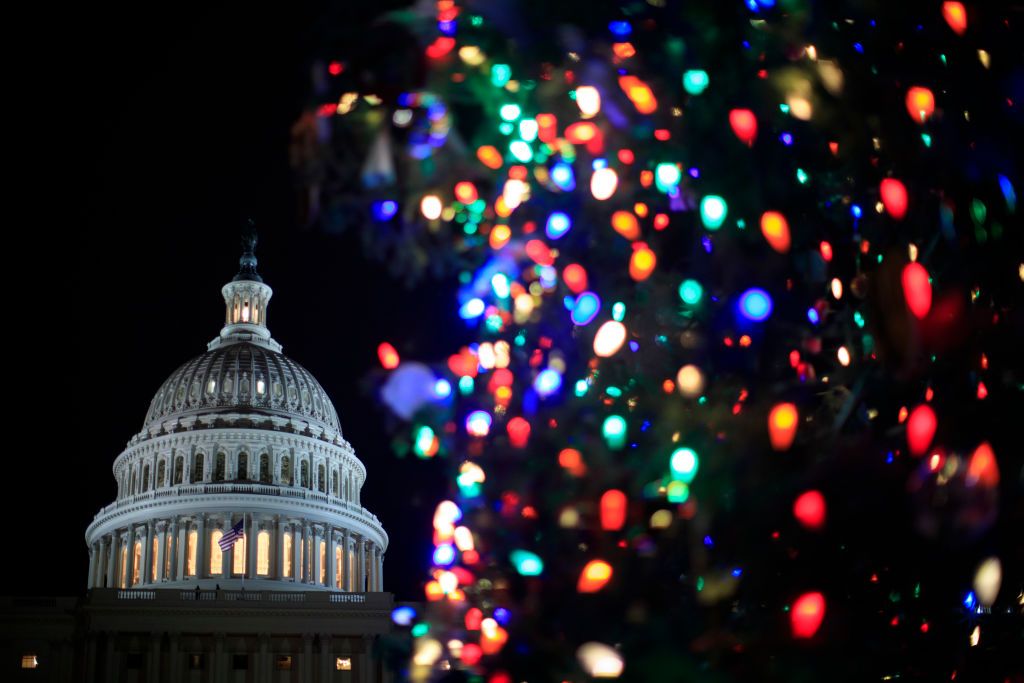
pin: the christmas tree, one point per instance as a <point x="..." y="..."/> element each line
<point x="744" y="281"/>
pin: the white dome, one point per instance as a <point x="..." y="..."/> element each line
<point x="239" y="441"/>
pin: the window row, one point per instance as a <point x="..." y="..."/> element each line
<point x="291" y="556"/>
<point x="140" y="477"/>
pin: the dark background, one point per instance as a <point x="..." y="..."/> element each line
<point x="160" y="131"/>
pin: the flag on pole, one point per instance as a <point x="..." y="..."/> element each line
<point x="228" y="539"/>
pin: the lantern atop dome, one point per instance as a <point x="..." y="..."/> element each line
<point x="246" y="299"/>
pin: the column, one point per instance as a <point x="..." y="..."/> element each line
<point x="277" y="571"/>
<point x="331" y="560"/>
<point x="363" y="661"/>
<point x="264" y="667"/>
<point x="296" y="552"/>
<point x="172" y="573"/>
<point x="252" y="546"/>
<point x="144" y="556"/>
<point x="201" y="546"/>
<point x="228" y="558"/>
<point x="113" y="542"/>
<point x="93" y="554"/>
<point x="380" y="574"/>
<point x="325" y="657"/>
<point x="181" y="551"/>
<point x="217" y="665"/>
<point x="148" y="551"/>
<point x="153" y="659"/>
<point x="306" y="668"/>
<point x="173" y="659"/>
<point x="129" y="557"/>
<point x="161" y="543"/>
<point x="111" y="665"/>
<point x="361" y="565"/>
<point x="369" y="566"/>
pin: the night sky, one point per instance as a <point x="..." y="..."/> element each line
<point x="179" y="132"/>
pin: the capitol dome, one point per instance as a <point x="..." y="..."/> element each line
<point x="242" y="378"/>
<point x="242" y="443"/>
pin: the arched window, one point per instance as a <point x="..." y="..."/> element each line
<point x="263" y="553"/>
<point x="197" y="467"/>
<point x="190" y="555"/>
<point x="136" y="561"/>
<point x="124" y="566"/>
<point x="265" y="468"/>
<point x="216" y="556"/>
<point x="145" y="478"/>
<point x="238" y="556"/>
<point x="153" y="556"/>
<point x="323" y="563"/>
<point x="337" y="566"/>
<point x="304" y="477"/>
<point x="218" y="468"/>
<point x="243" y="466"/>
<point x="287" y="555"/>
<point x="286" y="471"/>
<point x="167" y="555"/>
<point x="346" y="489"/>
<point x="334" y="482"/>
<point x="161" y="473"/>
<point x="321" y="478"/>
<point x="179" y="467"/>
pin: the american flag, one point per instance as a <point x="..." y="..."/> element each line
<point x="228" y="539"/>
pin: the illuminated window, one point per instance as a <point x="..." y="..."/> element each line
<point x="29" y="662"/>
<point x="167" y="555"/>
<point x="238" y="556"/>
<point x="261" y="387"/>
<point x="287" y="555"/>
<point x="263" y="553"/>
<point x="323" y="562"/>
<point x="337" y="566"/>
<point x="190" y="554"/>
<point x="152" y="553"/>
<point x="342" y="663"/>
<point x="245" y="312"/>
<point x="283" y="662"/>
<point x="216" y="556"/>
<point x="211" y="387"/>
<point x="124" y="566"/>
<point x="195" y="662"/>
<point x="136" y="559"/>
